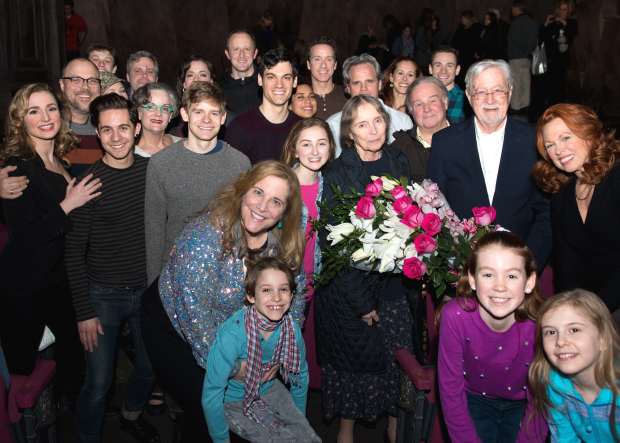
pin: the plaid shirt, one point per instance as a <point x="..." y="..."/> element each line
<point x="456" y="102"/>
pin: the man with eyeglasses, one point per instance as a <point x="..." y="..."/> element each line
<point x="142" y="68"/>
<point x="486" y="160"/>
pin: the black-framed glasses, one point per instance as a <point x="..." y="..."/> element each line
<point x="152" y="107"/>
<point x="497" y="94"/>
<point x="76" y="82"/>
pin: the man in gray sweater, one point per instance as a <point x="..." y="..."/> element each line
<point x="522" y="40"/>
<point x="183" y="178"/>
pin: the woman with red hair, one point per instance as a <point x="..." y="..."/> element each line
<point x="579" y="167"/>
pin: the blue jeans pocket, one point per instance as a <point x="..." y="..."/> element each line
<point x="95" y="289"/>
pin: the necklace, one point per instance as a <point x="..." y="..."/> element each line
<point x="586" y="197"/>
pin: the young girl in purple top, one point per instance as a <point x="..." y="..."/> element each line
<point x="486" y="344"/>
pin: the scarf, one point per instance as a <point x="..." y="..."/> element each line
<point x="286" y="354"/>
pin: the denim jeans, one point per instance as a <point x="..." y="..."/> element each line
<point x="496" y="420"/>
<point x="112" y="305"/>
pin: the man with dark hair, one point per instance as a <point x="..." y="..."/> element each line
<point x="261" y="132"/>
<point x="103" y="56"/>
<point x="322" y="63"/>
<point x="207" y="164"/>
<point x="240" y="82"/>
<point x="106" y="265"/>
<point x="142" y="68"/>
<point x="445" y="67"/>
<point x="522" y="40"/>
<point x="75" y="31"/>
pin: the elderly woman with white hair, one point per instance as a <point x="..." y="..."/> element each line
<point x="157" y="104"/>
<point x="363" y="318"/>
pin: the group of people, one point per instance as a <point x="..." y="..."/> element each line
<point x="124" y="202"/>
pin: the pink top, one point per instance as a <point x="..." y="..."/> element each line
<point x="309" y="193"/>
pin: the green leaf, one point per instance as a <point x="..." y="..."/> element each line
<point x="439" y="290"/>
<point x="436" y="279"/>
<point x="443" y="243"/>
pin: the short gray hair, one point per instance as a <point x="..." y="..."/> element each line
<point x="349" y="114"/>
<point x="356" y="60"/>
<point x="477" y="68"/>
<point x="423" y="81"/>
<point x="142" y="96"/>
<point x="137" y="56"/>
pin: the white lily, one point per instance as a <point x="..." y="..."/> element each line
<point x="388" y="185"/>
<point x="361" y="254"/>
<point x="365" y="224"/>
<point x="388" y="250"/>
<point x="394" y="226"/>
<point x="338" y="231"/>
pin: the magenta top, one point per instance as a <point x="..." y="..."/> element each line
<point x="476" y="359"/>
<point x="309" y="194"/>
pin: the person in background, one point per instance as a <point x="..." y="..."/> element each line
<point x="505" y="27"/>
<point x="75" y="31"/>
<point x="240" y="82"/>
<point x="264" y="34"/>
<point x="428" y="36"/>
<point x="367" y="44"/>
<point x="157" y="104"/>
<point x="445" y="67"/>
<point x="465" y="40"/>
<point x="558" y="33"/>
<point x="427" y="102"/>
<point x="322" y="63"/>
<point x="111" y="84"/>
<point x="303" y="101"/>
<point x="103" y="56"/>
<point x="491" y="45"/>
<point x="393" y="30"/>
<point x="142" y="68"/>
<point x="403" y="45"/>
<point x="399" y="75"/>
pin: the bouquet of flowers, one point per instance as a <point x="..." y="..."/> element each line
<point x="399" y="227"/>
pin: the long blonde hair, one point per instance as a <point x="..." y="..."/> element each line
<point x="607" y="367"/>
<point x="224" y="211"/>
<point x="17" y="142"/>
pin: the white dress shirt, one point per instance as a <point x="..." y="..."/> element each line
<point x="490" y="153"/>
<point x="400" y="122"/>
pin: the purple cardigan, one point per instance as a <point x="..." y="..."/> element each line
<point x="473" y="358"/>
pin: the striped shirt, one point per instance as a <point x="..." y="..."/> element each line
<point x="107" y="245"/>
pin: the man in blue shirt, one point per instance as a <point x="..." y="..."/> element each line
<point x="445" y="67"/>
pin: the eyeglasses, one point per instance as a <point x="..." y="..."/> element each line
<point x="76" y="82"/>
<point x="152" y="107"/>
<point x="498" y="94"/>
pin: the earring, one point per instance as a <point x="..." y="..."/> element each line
<point x="473" y="288"/>
<point x="391" y="85"/>
<point x="280" y="225"/>
<point x="528" y="290"/>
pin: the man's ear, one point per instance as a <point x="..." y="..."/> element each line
<point x="294" y="82"/>
<point x="223" y="119"/>
<point x="62" y="85"/>
<point x="446" y="103"/>
<point x="430" y="69"/>
<point x="184" y="115"/>
<point x="469" y="98"/>
<point x="260" y="80"/>
<point x="227" y="54"/>
<point x="255" y="54"/>
<point x="114" y="69"/>
<point x="458" y="70"/>
<point x="137" y="130"/>
<point x="127" y="75"/>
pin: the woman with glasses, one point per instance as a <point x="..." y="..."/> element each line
<point x="157" y="104"/>
<point x="35" y="290"/>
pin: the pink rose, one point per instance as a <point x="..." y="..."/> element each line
<point x="413" y="217"/>
<point x="424" y="244"/>
<point x="431" y="224"/>
<point x="414" y="268"/>
<point x="402" y="204"/>
<point x="365" y="208"/>
<point x="398" y="192"/>
<point x="374" y="189"/>
<point x="484" y="216"/>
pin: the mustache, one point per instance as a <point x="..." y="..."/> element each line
<point x="488" y="106"/>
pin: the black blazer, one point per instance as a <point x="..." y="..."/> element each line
<point x="34" y="257"/>
<point x="521" y="207"/>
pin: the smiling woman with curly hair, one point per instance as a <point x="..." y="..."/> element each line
<point x="579" y="167"/>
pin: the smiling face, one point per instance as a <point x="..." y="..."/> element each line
<point x="571" y="341"/>
<point x="117" y="88"/>
<point x="103" y="60"/>
<point x="322" y="63"/>
<point x="312" y="148"/>
<point x="262" y="207"/>
<point x="278" y="83"/>
<point x="363" y="80"/>
<point x="241" y="53"/>
<point x="490" y="110"/>
<point x="157" y="121"/>
<point x="368" y="132"/>
<point x="42" y="119"/>
<point x="303" y="102"/>
<point x="445" y="67"/>
<point x="500" y="282"/>
<point x="429" y="107"/>
<point x="80" y="97"/>
<point x="198" y="72"/>
<point x="204" y="120"/>
<point x="117" y="134"/>
<point x="403" y="76"/>
<point x="272" y="295"/>
<point x="567" y="151"/>
<point x="142" y="72"/>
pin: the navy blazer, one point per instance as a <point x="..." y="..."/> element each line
<point x="521" y="207"/>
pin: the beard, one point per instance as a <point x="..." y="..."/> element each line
<point x="490" y="121"/>
<point x="78" y="106"/>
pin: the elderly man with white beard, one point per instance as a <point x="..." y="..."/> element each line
<point x="486" y="160"/>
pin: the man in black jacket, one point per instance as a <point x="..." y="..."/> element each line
<point x="240" y="82"/>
